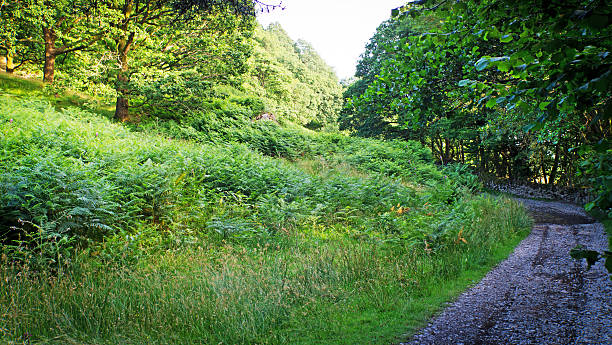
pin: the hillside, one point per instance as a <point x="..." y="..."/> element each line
<point x="171" y="172"/>
<point x="293" y="79"/>
<point x="130" y="234"/>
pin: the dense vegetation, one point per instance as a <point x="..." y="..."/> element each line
<point x="178" y="241"/>
<point x="168" y="64"/>
<point x="519" y="90"/>
<point x="178" y="176"/>
<point x="293" y="79"/>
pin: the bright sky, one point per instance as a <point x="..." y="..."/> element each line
<point x="337" y="29"/>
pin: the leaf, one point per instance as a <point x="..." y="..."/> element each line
<point x="499" y="58"/>
<point x="465" y="82"/>
<point x="580" y="253"/>
<point x="482" y="63"/>
<point x="543" y="105"/>
<point x="504" y="66"/>
<point x="506" y="38"/>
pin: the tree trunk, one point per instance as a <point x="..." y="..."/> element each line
<point x="553" y="172"/>
<point x="440" y="150"/>
<point x="543" y="168"/>
<point x="122" y="109"/>
<point x="483" y="160"/>
<point x="123" y="106"/>
<point x="10" y="64"/>
<point x="50" y="55"/>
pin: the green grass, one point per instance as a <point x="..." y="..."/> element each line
<point x="16" y="86"/>
<point x="134" y="237"/>
<point x="297" y="290"/>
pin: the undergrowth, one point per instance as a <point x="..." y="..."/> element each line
<point x="112" y="235"/>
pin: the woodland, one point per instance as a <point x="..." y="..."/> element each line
<point x="172" y="172"/>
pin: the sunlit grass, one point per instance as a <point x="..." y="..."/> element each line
<point x="16" y="86"/>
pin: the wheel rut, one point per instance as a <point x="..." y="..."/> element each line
<point x="539" y="295"/>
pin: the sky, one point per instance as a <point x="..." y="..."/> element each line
<point x="337" y="29"/>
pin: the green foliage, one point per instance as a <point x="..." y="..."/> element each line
<point x="295" y="82"/>
<point x="205" y="239"/>
<point x="591" y="256"/>
<point x="163" y="60"/>
<point x="90" y="172"/>
<point x="461" y="175"/>
<point x="294" y="290"/>
<point x="185" y="226"/>
<point x="513" y="89"/>
<point x="59" y="199"/>
<point x="179" y="66"/>
<point x="366" y="120"/>
<point x="229" y="118"/>
<point x="597" y="166"/>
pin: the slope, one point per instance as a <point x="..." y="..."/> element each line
<point x="112" y="235"/>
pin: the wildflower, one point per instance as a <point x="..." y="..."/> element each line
<point x="10" y="120"/>
<point x="96" y="134"/>
<point x="427" y="248"/>
<point x="460" y="237"/>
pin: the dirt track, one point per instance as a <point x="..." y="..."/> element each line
<point x="539" y="295"/>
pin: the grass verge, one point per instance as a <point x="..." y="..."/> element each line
<point x="296" y="289"/>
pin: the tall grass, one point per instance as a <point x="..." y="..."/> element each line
<point x="295" y="290"/>
<point x="114" y="236"/>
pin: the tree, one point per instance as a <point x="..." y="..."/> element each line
<point x="135" y="21"/>
<point x="59" y="26"/>
<point x="67" y="21"/>
<point x="540" y="62"/>
<point x="16" y="32"/>
<point x="519" y="89"/>
<point x="175" y="69"/>
<point x="406" y="90"/>
<point x="293" y="78"/>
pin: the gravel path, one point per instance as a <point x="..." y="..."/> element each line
<point x="539" y="295"/>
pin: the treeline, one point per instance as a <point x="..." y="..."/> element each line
<point x="168" y="59"/>
<point x="518" y="90"/>
<point x="293" y="78"/>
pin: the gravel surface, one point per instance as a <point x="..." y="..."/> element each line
<point x="539" y="295"/>
<point x="534" y="191"/>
